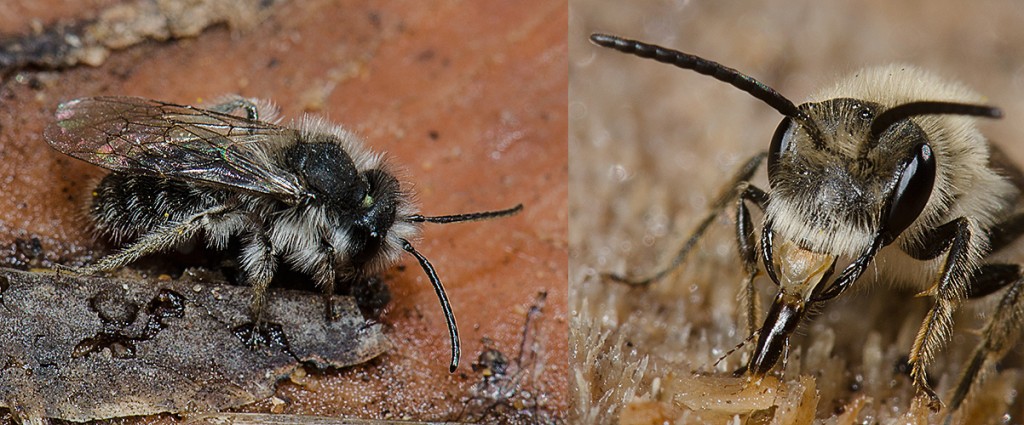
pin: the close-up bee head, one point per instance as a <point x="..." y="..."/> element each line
<point x="884" y="175"/>
<point x="848" y="176"/>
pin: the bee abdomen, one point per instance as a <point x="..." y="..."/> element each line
<point x="127" y="206"/>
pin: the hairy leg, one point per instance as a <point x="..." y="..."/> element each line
<point x="258" y="263"/>
<point x="950" y="288"/>
<point x="1002" y="329"/>
<point x="159" y="239"/>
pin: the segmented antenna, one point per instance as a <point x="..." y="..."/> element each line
<point x="716" y="70"/>
<point x="446" y="307"/>
<point x="710" y="68"/>
<point x="898" y="113"/>
<point x="453" y="330"/>
<point x="484" y="215"/>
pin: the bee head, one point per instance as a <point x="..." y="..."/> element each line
<point x="843" y="172"/>
<point x="836" y="184"/>
<point x="368" y="202"/>
<point x="847" y="177"/>
<point x="375" y="214"/>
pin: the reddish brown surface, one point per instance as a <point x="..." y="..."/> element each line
<point x="489" y="77"/>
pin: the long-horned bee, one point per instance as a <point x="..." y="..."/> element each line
<point x="310" y="195"/>
<point x="885" y="170"/>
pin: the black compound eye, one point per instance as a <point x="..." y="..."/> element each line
<point x="780" y="144"/>
<point x="911" y="192"/>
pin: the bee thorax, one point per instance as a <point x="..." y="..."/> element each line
<point x="328" y="171"/>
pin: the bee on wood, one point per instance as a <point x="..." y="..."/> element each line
<point x="310" y="195"/>
<point x="886" y="168"/>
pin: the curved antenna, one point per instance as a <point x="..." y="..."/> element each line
<point x="900" y="112"/>
<point x="484" y="215"/>
<point x="453" y="330"/>
<point x="713" y="69"/>
<point x="446" y="307"/>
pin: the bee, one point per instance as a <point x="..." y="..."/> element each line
<point x="886" y="168"/>
<point x="310" y="195"/>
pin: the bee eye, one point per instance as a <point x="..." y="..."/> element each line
<point x="780" y="143"/>
<point x="911" y="192"/>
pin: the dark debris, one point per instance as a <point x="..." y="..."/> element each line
<point x="82" y="349"/>
<point x="509" y="391"/>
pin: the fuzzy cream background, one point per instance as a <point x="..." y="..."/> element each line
<point x="651" y="144"/>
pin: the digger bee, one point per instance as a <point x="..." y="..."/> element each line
<point x="310" y="195"/>
<point x="885" y="169"/>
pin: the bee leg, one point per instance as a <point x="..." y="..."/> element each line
<point x="259" y="263"/>
<point x="734" y="189"/>
<point x="161" y="239"/>
<point x="1001" y="331"/>
<point x="950" y="288"/>
<point x="747" y="250"/>
<point x="325" y="275"/>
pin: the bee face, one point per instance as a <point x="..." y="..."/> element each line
<point x="839" y="187"/>
<point x="376" y="216"/>
<point x="834" y="186"/>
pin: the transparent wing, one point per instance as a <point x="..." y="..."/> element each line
<point x="136" y="135"/>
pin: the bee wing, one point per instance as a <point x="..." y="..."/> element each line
<point x="136" y="135"/>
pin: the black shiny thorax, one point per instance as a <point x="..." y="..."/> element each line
<point x="328" y="172"/>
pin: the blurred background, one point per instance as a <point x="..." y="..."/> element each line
<point x="651" y="145"/>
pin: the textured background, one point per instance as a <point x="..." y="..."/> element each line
<point x="468" y="97"/>
<point x="650" y="146"/>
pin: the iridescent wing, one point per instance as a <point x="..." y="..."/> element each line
<point x="142" y="136"/>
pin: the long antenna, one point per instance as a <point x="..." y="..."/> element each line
<point x="453" y="330"/>
<point x="444" y="219"/>
<point x="710" y="68"/>
<point x="717" y="71"/>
